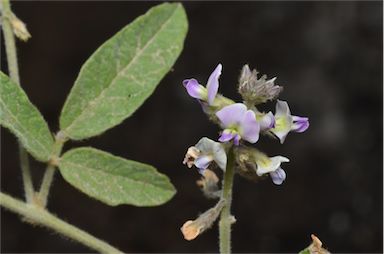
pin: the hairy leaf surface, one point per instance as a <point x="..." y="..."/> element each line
<point x="24" y="120"/>
<point x="124" y="72"/>
<point x="114" y="180"/>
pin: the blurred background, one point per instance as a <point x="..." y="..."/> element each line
<point x="328" y="57"/>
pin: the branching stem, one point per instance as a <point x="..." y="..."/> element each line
<point x="49" y="174"/>
<point x="42" y="217"/>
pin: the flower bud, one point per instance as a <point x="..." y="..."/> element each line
<point x="19" y="28"/>
<point x="246" y="163"/>
<point x="256" y="90"/>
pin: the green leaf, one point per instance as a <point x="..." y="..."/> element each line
<point x="114" y="180"/>
<point x="124" y="72"/>
<point x="24" y="120"/>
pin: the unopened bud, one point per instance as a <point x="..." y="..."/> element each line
<point x="19" y="28"/>
<point x="246" y="163"/>
<point x="256" y="90"/>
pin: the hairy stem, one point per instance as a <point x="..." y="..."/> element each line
<point x="10" y="48"/>
<point x="226" y="218"/>
<point x="46" y="185"/>
<point x="42" y="217"/>
<point x="50" y="170"/>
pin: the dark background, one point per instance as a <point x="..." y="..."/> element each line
<point x="328" y="57"/>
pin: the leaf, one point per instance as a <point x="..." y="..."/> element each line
<point x="24" y="120"/>
<point x="114" y="180"/>
<point x="124" y="71"/>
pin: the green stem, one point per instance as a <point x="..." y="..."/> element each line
<point x="42" y="217"/>
<point x="50" y="170"/>
<point x="10" y="47"/>
<point x="46" y="185"/>
<point x="226" y="218"/>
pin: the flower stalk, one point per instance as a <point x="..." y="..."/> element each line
<point x="226" y="219"/>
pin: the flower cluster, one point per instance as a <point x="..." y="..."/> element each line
<point x="243" y="123"/>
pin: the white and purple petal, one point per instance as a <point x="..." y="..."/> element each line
<point x="219" y="156"/>
<point x="267" y="121"/>
<point x="282" y="108"/>
<point x="202" y="162"/>
<point x="212" y="149"/>
<point x="278" y="176"/>
<point x="232" y="114"/>
<point x="249" y="128"/>
<point x="300" y="124"/>
<point x="194" y="89"/>
<point x="268" y="165"/>
<point x="236" y="139"/>
<point x="213" y="84"/>
<point x="226" y="136"/>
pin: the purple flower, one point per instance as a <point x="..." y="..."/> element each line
<point x="271" y="165"/>
<point x="278" y="176"/>
<point x="285" y="122"/>
<point x="204" y="152"/>
<point x="238" y="123"/>
<point x="202" y="93"/>
<point x="267" y="121"/>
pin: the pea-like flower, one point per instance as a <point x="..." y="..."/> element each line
<point x="238" y="123"/>
<point x="271" y="165"/>
<point x="204" y="152"/>
<point x="285" y="122"/>
<point x="202" y="93"/>
<point x="267" y="121"/>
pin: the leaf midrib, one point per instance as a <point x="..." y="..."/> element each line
<point x="115" y="175"/>
<point x="101" y="95"/>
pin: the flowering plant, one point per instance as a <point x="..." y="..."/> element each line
<point x="241" y="124"/>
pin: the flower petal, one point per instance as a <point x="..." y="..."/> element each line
<point x="206" y="145"/>
<point x="226" y="136"/>
<point x="268" y="165"/>
<point x="300" y="124"/>
<point x="194" y="89"/>
<point x="278" y="176"/>
<point x="213" y="83"/>
<point x="283" y="125"/>
<point x="232" y="114"/>
<point x="203" y="161"/>
<point x="236" y="140"/>
<point x="267" y="121"/>
<point x="249" y="127"/>
<point x="282" y="108"/>
<point x="219" y="156"/>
